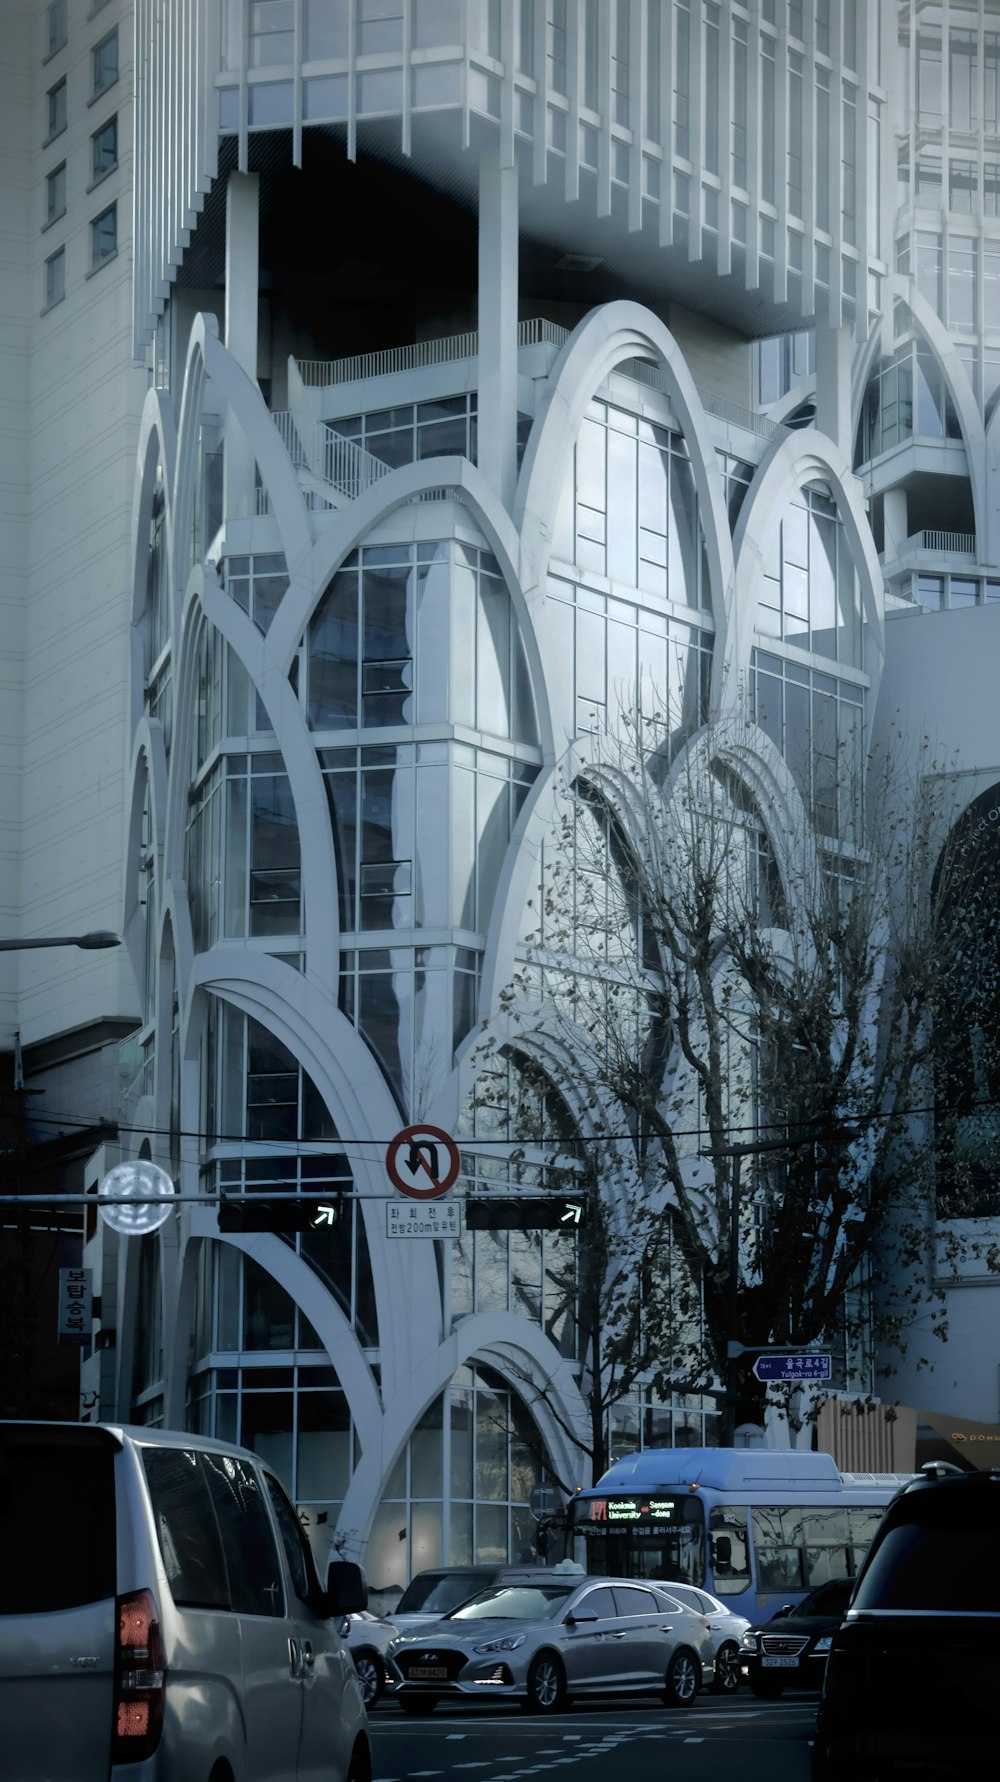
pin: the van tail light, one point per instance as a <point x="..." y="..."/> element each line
<point x="140" y="1675"/>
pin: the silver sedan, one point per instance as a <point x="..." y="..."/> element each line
<point x="367" y="1640"/>
<point x="542" y="1643"/>
<point x="727" y="1630"/>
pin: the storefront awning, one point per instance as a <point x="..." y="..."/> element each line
<point x="975" y="1447"/>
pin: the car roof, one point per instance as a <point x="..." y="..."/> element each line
<point x="123" y="1433"/>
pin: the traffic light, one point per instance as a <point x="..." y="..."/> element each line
<point x="257" y="1213"/>
<point x="524" y="1212"/>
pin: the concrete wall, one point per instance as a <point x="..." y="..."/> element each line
<point x="18" y="115"/>
<point x="79" y="396"/>
<point x="718" y="360"/>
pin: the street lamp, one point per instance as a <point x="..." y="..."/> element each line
<point x="98" y="937"/>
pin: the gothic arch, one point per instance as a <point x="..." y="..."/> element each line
<point x="609" y="334"/>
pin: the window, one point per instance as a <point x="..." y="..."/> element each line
<point x="104" y="149"/>
<point x="379" y="26"/>
<point x="104" y="63"/>
<point x="272" y="32"/>
<point x="247" y="1538"/>
<point x="56" y="99"/>
<point x="34" y="1466"/>
<point x="104" y="237"/>
<point x="55" y="278"/>
<point x="186" y="1528"/>
<point x="55" y="193"/>
<point x="55" y="27"/>
<point x="292" y="1539"/>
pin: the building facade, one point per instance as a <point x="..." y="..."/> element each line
<point x="497" y="362"/>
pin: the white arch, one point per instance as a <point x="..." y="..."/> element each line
<point x="617" y="331"/>
<point x="791" y="464"/>
<point x="147" y="776"/>
<point x="526" y="1358"/>
<point x="346" y="1074"/>
<point x="157" y="441"/>
<point x="349" y="527"/>
<point x="207" y="357"/>
<point x="970" y="420"/>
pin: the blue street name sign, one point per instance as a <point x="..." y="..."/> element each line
<point x="793" y="1367"/>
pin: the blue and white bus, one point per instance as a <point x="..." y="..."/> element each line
<point x="756" y="1526"/>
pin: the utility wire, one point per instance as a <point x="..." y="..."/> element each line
<point x="821" y="1125"/>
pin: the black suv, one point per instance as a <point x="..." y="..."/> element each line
<point x="911" y="1679"/>
<point x="791" y="1648"/>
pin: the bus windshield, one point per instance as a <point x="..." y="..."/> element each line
<point x="660" y="1537"/>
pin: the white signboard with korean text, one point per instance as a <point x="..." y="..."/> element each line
<point x="423" y="1219"/>
<point x="76" y="1303"/>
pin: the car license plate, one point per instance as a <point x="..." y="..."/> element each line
<point x="774" y="1663"/>
<point x="427" y="1672"/>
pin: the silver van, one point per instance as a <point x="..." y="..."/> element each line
<point x="161" y="1619"/>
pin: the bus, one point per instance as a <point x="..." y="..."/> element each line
<point x="757" y="1527"/>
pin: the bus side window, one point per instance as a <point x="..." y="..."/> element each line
<point x="727" y="1532"/>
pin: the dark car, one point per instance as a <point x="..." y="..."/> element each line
<point x="791" y="1649"/>
<point x="911" y="1682"/>
<point x="440" y="1589"/>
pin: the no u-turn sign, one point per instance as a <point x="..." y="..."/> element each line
<point x="422" y="1162"/>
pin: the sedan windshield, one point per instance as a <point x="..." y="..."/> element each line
<point x="519" y="1602"/>
<point x="436" y="1594"/>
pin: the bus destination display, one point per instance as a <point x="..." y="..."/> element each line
<point x="645" y="1515"/>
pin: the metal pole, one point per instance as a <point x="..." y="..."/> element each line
<point x="100" y="937"/>
<point x="734" y="1296"/>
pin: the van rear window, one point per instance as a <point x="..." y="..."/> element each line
<point x="57" y="1519"/>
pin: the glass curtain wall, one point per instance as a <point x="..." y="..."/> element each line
<point x="458" y="1493"/>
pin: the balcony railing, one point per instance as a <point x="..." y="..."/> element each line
<point x="324" y="373"/>
<point x="960" y="544"/>
<point x="347" y="467"/>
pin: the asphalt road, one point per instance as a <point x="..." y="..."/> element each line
<point x="745" y="1739"/>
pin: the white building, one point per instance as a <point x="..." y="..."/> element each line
<point x="448" y="313"/>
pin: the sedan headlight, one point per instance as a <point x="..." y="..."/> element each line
<point x="823" y="1646"/>
<point x="509" y="1643"/>
<point x="749" y="1641"/>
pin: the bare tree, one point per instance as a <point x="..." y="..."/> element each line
<point x="714" y="960"/>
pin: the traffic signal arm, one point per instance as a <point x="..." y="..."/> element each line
<point x="257" y="1213"/>
<point x="523" y="1212"/>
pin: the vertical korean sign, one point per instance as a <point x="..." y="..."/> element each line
<point x="76" y="1303"/>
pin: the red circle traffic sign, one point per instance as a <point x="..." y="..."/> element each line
<point x="415" y="1163"/>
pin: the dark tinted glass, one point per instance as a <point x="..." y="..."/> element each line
<point x="632" y="1601"/>
<point x="599" y="1602"/>
<point x="292" y="1539"/>
<point x="435" y="1592"/>
<point x="941" y="1552"/>
<point x="247" y="1539"/>
<point x="186" y="1528"/>
<point x="51" y="1481"/>
<point x="830" y="1599"/>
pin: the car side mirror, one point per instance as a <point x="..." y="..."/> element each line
<point x="581" y="1615"/>
<point x="346" y="1588"/>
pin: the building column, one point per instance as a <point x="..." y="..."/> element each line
<point x="834" y="360"/>
<point x="498" y="244"/>
<point x="242" y="279"/>
<point x="894" y="524"/>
